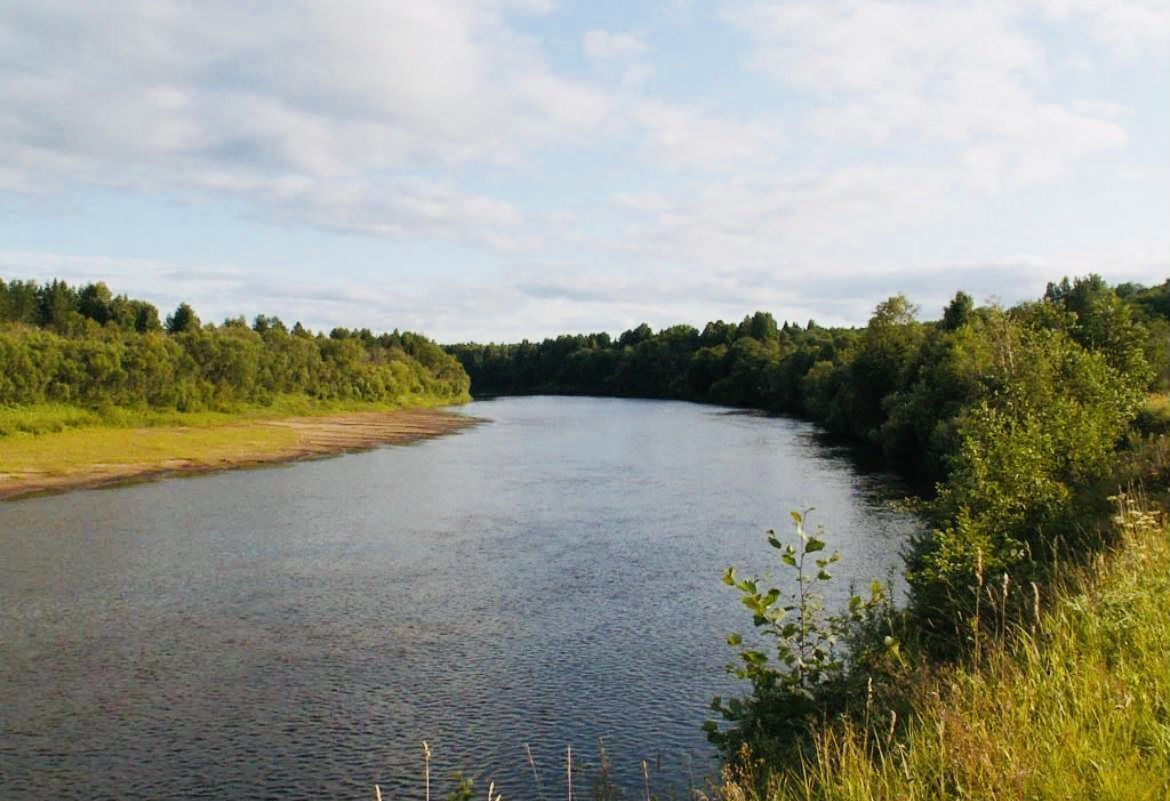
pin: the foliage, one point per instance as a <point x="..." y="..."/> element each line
<point x="1029" y="455"/>
<point x="958" y="312"/>
<point x="91" y="350"/>
<point x="1154" y="416"/>
<point x="184" y="319"/>
<point x="65" y="309"/>
<point x="811" y="671"/>
<point x="1070" y="704"/>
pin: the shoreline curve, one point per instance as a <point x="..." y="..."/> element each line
<point x="300" y="438"/>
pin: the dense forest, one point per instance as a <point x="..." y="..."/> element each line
<point x="88" y="347"/>
<point x="1023" y="422"/>
<point x="898" y="384"/>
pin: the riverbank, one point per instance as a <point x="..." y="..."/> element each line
<point x="1071" y="705"/>
<point x="97" y="456"/>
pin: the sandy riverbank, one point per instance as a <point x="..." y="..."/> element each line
<point x="88" y="458"/>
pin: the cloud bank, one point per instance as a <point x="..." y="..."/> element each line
<point x="595" y="176"/>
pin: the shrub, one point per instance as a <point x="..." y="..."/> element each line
<point x="820" y="659"/>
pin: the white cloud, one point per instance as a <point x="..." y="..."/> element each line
<point x="869" y="46"/>
<point x="926" y="80"/>
<point x="399" y="208"/>
<point x="550" y="298"/>
<point x="786" y="222"/>
<point x="642" y="202"/>
<point x="687" y="137"/>
<point x="618" y="54"/>
<point x="441" y="120"/>
<point x="174" y="97"/>
<point x="637" y="74"/>
<point x="337" y="120"/>
<point x="1129" y="27"/>
<point x="218" y="292"/>
<point x="602" y="45"/>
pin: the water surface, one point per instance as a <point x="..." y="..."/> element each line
<point x="549" y="578"/>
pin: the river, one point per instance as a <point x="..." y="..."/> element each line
<point x="549" y="578"/>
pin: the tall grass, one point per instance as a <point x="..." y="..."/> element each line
<point x="1072" y="705"/>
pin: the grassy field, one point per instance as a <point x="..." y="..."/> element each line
<point x="65" y="452"/>
<point x="1077" y="707"/>
<point x="55" y="447"/>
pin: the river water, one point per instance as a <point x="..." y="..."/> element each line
<point x="549" y="578"/>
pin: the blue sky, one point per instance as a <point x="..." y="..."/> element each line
<point x="521" y="168"/>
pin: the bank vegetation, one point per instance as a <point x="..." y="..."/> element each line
<point x="75" y="356"/>
<point x="95" y="389"/>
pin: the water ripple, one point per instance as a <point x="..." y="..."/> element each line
<point x="549" y="579"/>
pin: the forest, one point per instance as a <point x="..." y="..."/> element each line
<point x="85" y="346"/>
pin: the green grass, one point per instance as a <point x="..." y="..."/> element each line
<point x="1076" y="708"/>
<point x="61" y="440"/>
<point x="47" y="418"/>
<point x="81" y="450"/>
<point x="44" y="418"/>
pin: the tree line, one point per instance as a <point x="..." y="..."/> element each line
<point x="86" y="346"/>
<point x="1020" y="419"/>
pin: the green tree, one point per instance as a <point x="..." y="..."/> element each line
<point x="95" y="301"/>
<point x="182" y="320"/>
<point x="958" y="312"/>
<point x="56" y="305"/>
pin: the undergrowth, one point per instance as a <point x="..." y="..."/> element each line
<point x="1071" y="702"/>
